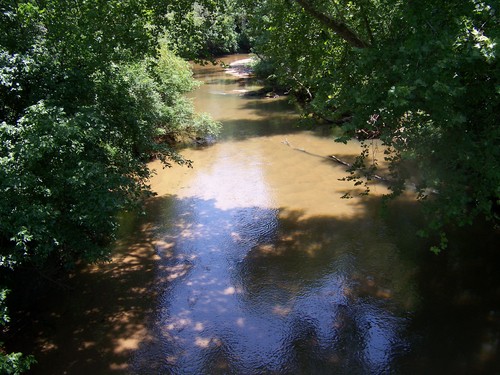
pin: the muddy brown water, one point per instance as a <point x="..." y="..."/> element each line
<point x="250" y="263"/>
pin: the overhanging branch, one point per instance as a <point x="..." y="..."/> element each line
<point x="338" y="27"/>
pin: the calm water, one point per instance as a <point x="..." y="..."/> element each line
<point x="250" y="263"/>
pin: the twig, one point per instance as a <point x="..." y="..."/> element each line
<point x="376" y="176"/>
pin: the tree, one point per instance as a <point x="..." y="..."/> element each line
<point x="87" y="98"/>
<point x="203" y="29"/>
<point x="82" y="111"/>
<point x="11" y="363"/>
<point x="423" y="77"/>
<point x="336" y="25"/>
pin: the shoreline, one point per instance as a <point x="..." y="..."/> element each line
<point x="241" y="68"/>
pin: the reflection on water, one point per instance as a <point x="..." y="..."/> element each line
<point x="257" y="290"/>
<point x="250" y="263"/>
<point x="264" y="270"/>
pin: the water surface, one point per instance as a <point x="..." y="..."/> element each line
<point x="265" y="270"/>
<point x="251" y="263"/>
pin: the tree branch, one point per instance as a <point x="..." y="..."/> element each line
<point x="339" y="27"/>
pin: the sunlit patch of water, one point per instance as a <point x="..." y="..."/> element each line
<point x="265" y="269"/>
<point x="250" y="263"/>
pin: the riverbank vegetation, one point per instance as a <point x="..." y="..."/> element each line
<point x="422" y="78"/>
<point x="91" y="91"/>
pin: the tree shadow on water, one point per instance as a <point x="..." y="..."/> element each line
<point x="197" y="289"/>
<point x="93" y="322"/>
<point x="275" y="291"/>
<point x="456" y="320"/>
<point x="243" y="129"/>
<point x="255" y="290"/>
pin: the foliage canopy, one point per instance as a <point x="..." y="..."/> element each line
<point x="423" y="77"/>
<point x="87" y="98"/>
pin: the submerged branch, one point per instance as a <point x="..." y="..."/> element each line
<point x="332" y="157"/>
<point x="375" y="176"/>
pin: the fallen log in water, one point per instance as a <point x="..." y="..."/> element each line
<point x="409" y="186"/>
<point x="375" y="176"/>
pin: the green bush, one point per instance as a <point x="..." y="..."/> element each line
<point x="87" y="98"/>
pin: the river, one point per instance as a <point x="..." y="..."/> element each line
<point x="251" y="263"/>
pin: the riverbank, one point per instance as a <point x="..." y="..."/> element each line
<point x="241" y="68"/>
<point x="251" y="263"/>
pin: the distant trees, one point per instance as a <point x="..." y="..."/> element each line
<point x="423" y="77"/>
<point x="205" y="29"/>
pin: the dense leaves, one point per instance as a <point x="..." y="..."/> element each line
<point x="437" y="97"/>
<point x="79" y="120"/>
<point x="87" y="98"/>
<point x="11" y="363"/>
<point x="422" y="77"/>
<point x="204" y="29"/>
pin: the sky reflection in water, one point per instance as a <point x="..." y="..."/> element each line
<point x="264" y="270"/>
